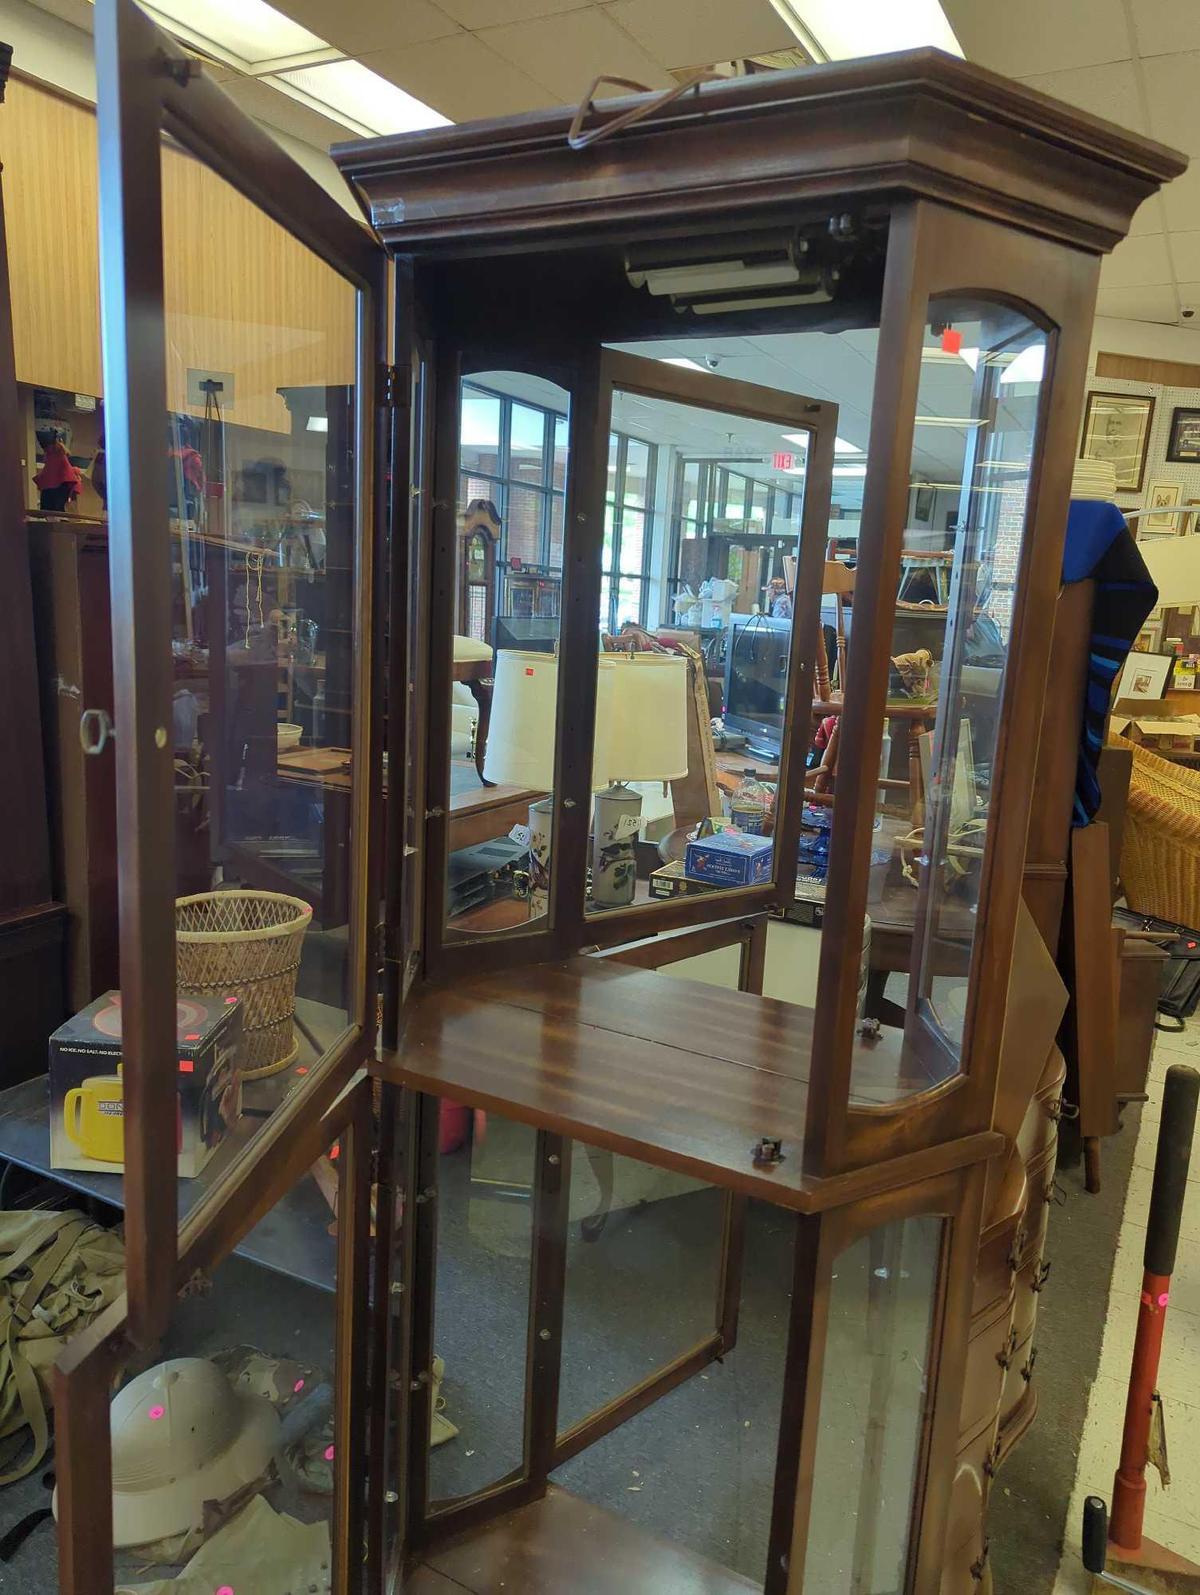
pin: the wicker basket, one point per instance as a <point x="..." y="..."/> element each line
<point x="1160" y="853"/>
<point x="246" y="944"/>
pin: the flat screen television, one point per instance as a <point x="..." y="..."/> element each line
<point x="756" y="678"/>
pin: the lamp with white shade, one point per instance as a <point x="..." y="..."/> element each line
<point x="641" y="735"/>
<point x="520" y="750"/>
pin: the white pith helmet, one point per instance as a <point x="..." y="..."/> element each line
<point x="181" y="1436"/>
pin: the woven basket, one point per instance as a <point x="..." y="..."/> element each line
<point x="1160" y="852"/>
<point x="245" y="944"/>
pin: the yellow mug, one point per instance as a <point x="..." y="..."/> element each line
<point x="94" y="1118"/>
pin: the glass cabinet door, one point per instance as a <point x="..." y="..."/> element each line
<point x="240" y="309"/>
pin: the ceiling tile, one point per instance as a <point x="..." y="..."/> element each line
<point x="1163" y="27"/>
<point x="1173" y="101"/>
<point x="567" y="52"/>
<point x="475" y="14"/>
<point x="1149" y="217"/>
<point x="1185" y="256"/>
<point x="268" y="104"/>
<point x="1109" y="91"/>
<point x="1137" y="263"/>
<point x="1024" y="36"/>
<point x="354" y="25"/>
<point x="1181" y="199"/>
<point x="1189" y="298"/>
<point x="461" y="77"/>
<point x="679" y="33"/>
<point x="1138" y="304"/>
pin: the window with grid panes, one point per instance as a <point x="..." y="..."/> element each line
<point x="628" y="512"/>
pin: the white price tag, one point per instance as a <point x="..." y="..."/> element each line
<point x="627" y="825"/>
<point x="520" y="835"/>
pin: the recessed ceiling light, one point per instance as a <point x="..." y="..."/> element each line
<point x="359" y="97"/>
<point x="680" y="360"/>
<point x="840" y="445"/>
<point x="318" y="423"/>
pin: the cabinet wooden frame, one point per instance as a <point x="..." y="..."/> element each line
<point x="85" y="1374"/>
<point x="590" y="377"/>
<point x="933" y="253"/>
<point x="419" y="1522"/>
<point x="149" y="89"/>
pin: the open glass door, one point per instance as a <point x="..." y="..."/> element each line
<point x="242" y="327"/>
<point x="709" y="598"/>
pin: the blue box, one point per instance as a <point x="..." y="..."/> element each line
<point x="730" y="858"/>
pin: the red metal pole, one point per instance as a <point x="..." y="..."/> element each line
<point x="1162" y="1236"/>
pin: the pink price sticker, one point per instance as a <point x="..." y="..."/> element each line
<point x="156" y="1413"/>
<point x="225" y="1589"/>
<point x="329" y="1453"/>
<point x="298" y="1387"/>
<point x="1163" y="1299"/>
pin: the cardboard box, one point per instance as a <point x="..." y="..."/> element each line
<point x="729" y="859"/>
<point x="670" y="880"/>
<point x="87" y="1099"/>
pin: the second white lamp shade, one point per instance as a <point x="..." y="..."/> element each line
<point x="641" y="719"/>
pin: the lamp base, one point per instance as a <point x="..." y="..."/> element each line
<point x="615" y="826"/>
<point x="541" y="831"/>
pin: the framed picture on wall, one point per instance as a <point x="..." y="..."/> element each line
<point x="1116" y="428"/>
<point x="1162" y="496"/>
<point x="923" y="505"/>
<point x="1183" y="445"/>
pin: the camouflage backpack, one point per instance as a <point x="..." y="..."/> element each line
<point x="57" y="1272"/>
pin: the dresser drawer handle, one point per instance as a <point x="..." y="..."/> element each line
<point x="1005" y="1355"/>
<point x="1027" y="1370"/>
<point x="1039" y="1280"/>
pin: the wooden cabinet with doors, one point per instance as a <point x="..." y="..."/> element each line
<point x="893" y="202"/>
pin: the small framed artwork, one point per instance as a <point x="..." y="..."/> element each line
<point x="1161" y="498"/>
<point x="1116" y="428"/>
<point x="923" y="505"/>
<point x="1144" y="676"/>
<point x="1183" y="445"/>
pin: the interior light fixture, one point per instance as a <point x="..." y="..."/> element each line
<point x="849" y="470"/>
<point x="949" y="420"/>
<point x="840" y="445"/>
<point x="318" y="423"/>
<point x="680" y="360"/>
<point x="835" y="30"/>
<point x="714" y="276"/>
<point x="360" y="98"/>
<point x="711" y="307"/>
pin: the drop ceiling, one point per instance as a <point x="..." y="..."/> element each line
<point x="1136" y="62"/>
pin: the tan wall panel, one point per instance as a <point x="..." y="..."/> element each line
<point x="1137" y="368"/>
<point x="49" y="154"/>
<point x="242" y="295"/>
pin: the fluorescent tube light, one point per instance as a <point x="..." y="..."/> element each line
<point x="840" y="445"/>
<point x="849" y="470"/>
<point x="948" y="420"/>
<point x="359" y="97"/>
<point x="249" y="30"/>
<point x="680" y="360"/>
<point x="712" y="276"/>
<point x="1028" y="366"/>
<point x="709" y="307"/>
<point x="318" y="423"/>
<point x="834" y="30"/>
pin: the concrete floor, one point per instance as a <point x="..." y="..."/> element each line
<point x="1172" y="1515"/>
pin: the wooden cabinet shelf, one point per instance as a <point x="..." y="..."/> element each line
<point x="679" y="1073"/>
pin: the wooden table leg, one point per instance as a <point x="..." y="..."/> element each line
<point x="481" y="691"/>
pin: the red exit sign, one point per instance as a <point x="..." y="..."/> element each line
<point x="783" y="462"/>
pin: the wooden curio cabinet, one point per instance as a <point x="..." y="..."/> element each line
<point x="911" y="245"/>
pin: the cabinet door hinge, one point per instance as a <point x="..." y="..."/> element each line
<point x="394" y="386"/>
